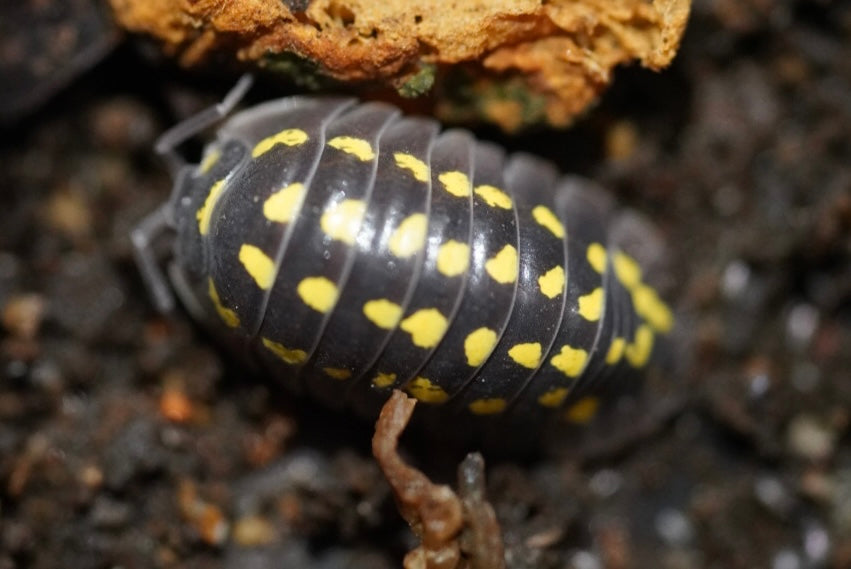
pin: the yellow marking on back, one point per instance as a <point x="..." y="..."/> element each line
<point x="318" y="293"/>
<point x="553" y="397"/>
<point x="627" y="270"/>
<point x="652" y="308"/>
<point x="228" y="316"/>
<point x="282" y="206"/>
<point x="503" y="266"/>
<point x="456" y="183"/>
<point x="616" y="350"/>
<point x="551" y="283"/>
<point x="210" y="160"/>
<point x="493" y="196"/>
<point x="596" y="255"/>
<point x="478" y="345"/>
<point x="357" y="147"/>
<point x="288" y="137"/>
<point x="382" y="380"/>
<point x="287" y="355"/>
<point x="591" y="305"/>
<point x="546" y="218"/>
<point x="488" y="406"/>
<point x="638" y="352"/>
<point x="418" y="168"/>
<point x="338" y="373"/>
<point x="426" y="327"/>
<point x="570" y="361"/>
<point x="205" y="213"/>
<point x="258" y="265"/>
<point x="582" y="411"/>
<point x="453" y="258"/>
<point x="409" y="238"/>
<point x="527" y="355"/>
<point x="426" y="391"/>
<point x="383" y="313"/>
<point x="342" y="220"/>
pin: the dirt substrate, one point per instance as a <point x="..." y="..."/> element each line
<point x="127" y="440"/>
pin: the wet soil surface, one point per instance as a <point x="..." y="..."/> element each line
<point x="127" y="439"/>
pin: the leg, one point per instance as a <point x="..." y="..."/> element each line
<point x="142" y="238"/>
<point x="159" y="221"/>
<point x="181" y="132"/>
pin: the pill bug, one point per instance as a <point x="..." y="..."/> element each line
<point x="350" y="250"/>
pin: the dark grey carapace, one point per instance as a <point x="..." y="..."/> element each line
<point x="352" y="251"/>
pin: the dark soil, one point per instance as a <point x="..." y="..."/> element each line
<point x="128" y="440"/>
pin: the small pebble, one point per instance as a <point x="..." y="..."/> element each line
<point x="22" y="315"/>
<point x="585" y="560"/>
<point x="801" y="324"/>
<point x="253" y="531"/>
<point x="735" y="279"/>
<point x="606" y="482"/>
<point x="808" y="438"/>
<point x="786" y="559"/>
<point x="817" y="543"/>
<point x="774" y="495"/>
<point x="207" y="518"/>
<point x="674" y="527"/>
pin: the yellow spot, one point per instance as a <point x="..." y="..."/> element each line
<point x="503" y="266"/>
<point x="627" y="270"/>
<point x="652" y="308"/>
<point x="290" y="356"/>
<point x="283" y="204"/>
<point x="288" y="137"/>
<point x="227" y="315"/>
<point x="616" y="350"/>
<point x="493" y="196"/>
<point x="209" y="160"/>
<point x="596" y="255"/>
<point x="582" y="411"/>
<point x="488" y="406"/>
<point x="337" y="373"/>
<point x="545" y="217"/>
<point x="553" y="397"/>
<point x="205" y="213"/>
<point x="409" y="238"/>
<point x="318" y="293"/>
<point x="527" y="355"/>
<point x="382" y="380"/>
<point x="342" y="220"/>
<point x="418" y="168"/>
<point x="551" y="283"/>
<point x="456" y="183"/>
<point x="357" y="147"/>
<point x="426" y="327"/>
<point x="258" y="264"/>
<point x="426" y="391"/>
<point x="570" y="361"/>
<point x="478" y="345"/>
<point x="591" y="305"/>
<point x="638" y="352"/>
<point x="453" y="258"/>
<point x="383" y="313"/>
